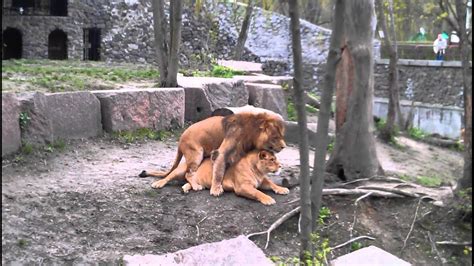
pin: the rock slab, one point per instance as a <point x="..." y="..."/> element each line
<point x="267" y="96"/>
<point x="371" y="255"/>
<point x="39" y="128"/>
<point x="11" y="136"/>
<point x="237" y="251"/>
<point x="131" y="109"/>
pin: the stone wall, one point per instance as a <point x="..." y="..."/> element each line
<point x="427" y="81"/>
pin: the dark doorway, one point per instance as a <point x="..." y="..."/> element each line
<point x="92" y="44"/>
<point x="12" y="44"/>
<point x="58" y="8"/>
<point x="57" y="45"/>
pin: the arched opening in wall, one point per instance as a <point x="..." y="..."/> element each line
<point x="57" y="45"/>
<point x="12" y="44"/>
<point x="58" y="8"/>
<point x="92" y="44"/>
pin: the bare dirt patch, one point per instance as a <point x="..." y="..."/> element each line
<point x="86" y="204"/>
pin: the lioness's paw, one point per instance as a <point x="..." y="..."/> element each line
<point x="281" y="190"/>
<point x="268" y="201"/>
<point x="158" y="184"/>
<point x="217" y="190"/>
<point x="197" y="187"/>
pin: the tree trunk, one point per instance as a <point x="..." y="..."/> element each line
<point x="354" y="155"/>
<point x="322" y="138"/>
<point x="394" y="112"/>
<point x="303" y="133"/>
<point x="176" y="10"/>
<point x="239" y="48"/>
<point x="344" y="83"/>
<point x="466" y="180"/>
<point x="160" y="31"/>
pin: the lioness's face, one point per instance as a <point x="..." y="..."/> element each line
<point x="268" y="162"/>
<point x="272" y="137"/>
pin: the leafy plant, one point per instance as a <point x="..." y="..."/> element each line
<point x="416" y="133"/>
<point x="290" y="109"/>
<point x="27" y="148"/>
<point x="24" y="120"/>
<point x="324" y="213"/>
<point x="356" y="245"/>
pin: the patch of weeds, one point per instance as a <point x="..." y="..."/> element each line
<point x="18" y="159"/>
<point x="324" y="214"/>
<point x="142" y="134"/>
<point x="416" y="133"/>
<point x="380" y="124"/>
<point x="330" y="147"/>
<point x="464" y="203"/>
<point x="429" y="181"/>
<point x="356" y="246"/>
<point x="290" y="109"/>
<point x="22" y="243"/>
<point x="459" y="146"/>
<point x="321" y="252"/>
<point x="27" y="148"/>
<point x="24" y="120"/>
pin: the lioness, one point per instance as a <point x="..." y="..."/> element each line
<point x="233" y="135"/>
<point x="244" y="177"/>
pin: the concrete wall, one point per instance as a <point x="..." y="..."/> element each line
<point x="434" y="119"/>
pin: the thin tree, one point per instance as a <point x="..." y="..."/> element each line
<point x="239" y="48"/>
<point x="305" y="201"/>
<point x="167" y="50"/>
<point x="324" y="115"/>
<point x="394" y="113"/>
<point x="354" y="154"/>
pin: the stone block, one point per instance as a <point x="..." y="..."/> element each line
<point x="232" y="252"/>
<point x="74" y="115"/>
<point x="371" y="255"/>
<point x="267" y="96"/>
<point x="39" y="128"/>
<point x="11" y="136"/>
<point x="131" y="109"/>
<point x="206" y="94"/>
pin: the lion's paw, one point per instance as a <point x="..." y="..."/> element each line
<point x="267" y="200"/>
<point x="217" y="190"/>
<point x="282" y="190"/>
<point x="158" y="184"/>
<point x="197" y="187"/>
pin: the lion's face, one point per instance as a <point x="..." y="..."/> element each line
<point x="267" y="162"/>
<point x="272" y="136"/>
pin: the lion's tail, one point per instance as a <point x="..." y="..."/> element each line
<point x="179" y="156"/>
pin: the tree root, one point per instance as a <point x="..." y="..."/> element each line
<point x="413" y="223"/>
<point x="277" y="223"/>
<point x="351" y="240"/>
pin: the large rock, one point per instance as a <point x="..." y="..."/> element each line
<point x="206" y="94"/>
<point x="371" y="255"/>
<point x="267" y="96"/>
<point x="11" y="140"/>
<point x="131" y="109"/>
<point x="237" y="251"/>
<point x="74" y="115"/>
<point x="39" y="128"/>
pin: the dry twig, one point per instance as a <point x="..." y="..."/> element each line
<point x="197" y="225"/>
<point x="392" y="190"/>
<point x="435" y="250"/>
<point x="453" y="243"/>
<point x="277" y="223"/>
<point x="352" y="240"/>
<point x="413" y="223"/>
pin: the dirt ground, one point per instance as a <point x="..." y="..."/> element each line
<point x="85" y="204"/>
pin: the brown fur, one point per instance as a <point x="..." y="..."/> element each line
<point x="243" y="133"/>
<point x="244" y="177"/>
<point x="233" y="135"/>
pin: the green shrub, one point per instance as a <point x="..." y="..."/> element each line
<point x="417" y="133"/>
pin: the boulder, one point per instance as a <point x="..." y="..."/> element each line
<point x="371" y="255"/>
<point x="39" y="128"/>
<point x="233" y="252"/>
<point x="11" y="136"/>
<point x="206" y="94"/>
<point x="267" y="96"/>
<point x="74" y="115"/>
<point x="131" y="109"/>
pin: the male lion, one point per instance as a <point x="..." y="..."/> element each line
<point x="244" y="177"/>
<point x="233" y="135"/>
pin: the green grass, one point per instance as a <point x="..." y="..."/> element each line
<point x="218" y="72"/>
<point x="429" y="181"/>
<point x="68" y="75"/>
<point x="416" y="133"/>
<point x="290" y="109"/>
<point x="142" y="134"/>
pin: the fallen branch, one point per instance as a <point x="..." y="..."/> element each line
<point x="197" y="225"/>
<point x="277" y="223"/>
<point x="350" y="241"/>
<point x="343" y="191"/>
<point x="452" y="243"/>
<point x="413" y="223"/>
<point x="378" y="178"/>
<point x="435" y="250"/>
<point x="392" y="190"/>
